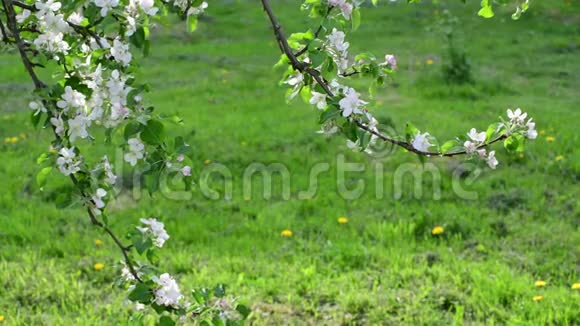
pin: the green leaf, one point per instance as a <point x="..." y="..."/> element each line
<point x="447" y="146"/>
<point x="410" y="132"/>
<point x="63" y="200"/>
<point x="192" y="23"/>
<point x="153" y="133"/>
<point x="166" y="321"/>
<point x="491" y="131"/>
<point x="132" y="128"/>
<point x="243" y="310"/>
<point x="328" y="114"/>
<point x="514" y="143"/>
<point x="486" y="10"/>
<point x="141" y="293"/>
<point x="43" y="175"/>
<point x="180" y="146"/>
<point x="355" y="19"/>
<point x="142" y="243"/>
<point x="219" y="291"/>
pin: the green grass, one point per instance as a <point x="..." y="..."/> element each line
<point x="384" y="266"/>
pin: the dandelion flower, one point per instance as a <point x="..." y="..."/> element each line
<point x="576" y="286"/>
<point x="429" y="61"/>
<point x="559" y="158"/>
<point x="206" y="162"/>
<point x="98" y="242"/>
<point x="342" y="220"/>
<point x="550" y="139"/>
<point x="438" y="230"/>
<point x="99" y="266"/>
<point x="540" y="283"/>
<point x="286" y="233"/>
<point x="542" y="132"/>
<point x="538" y="298"/>
<point x="2" y="318"/>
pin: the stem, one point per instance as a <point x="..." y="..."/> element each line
<point x="317" y="33"/>
<point x="305" y="68"/>
<point x="13" y="26"/>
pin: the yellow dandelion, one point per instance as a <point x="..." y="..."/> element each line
<point x="429" y="61"/>
<point x="14" y="140"/>
<point x="342" y="220"/>
<point x="2" y="318"/>
<point x="438" y="230"/>
<point x="98" y="242"/>
<point x="538" y="298"/>
<point x="559" y="158"/>
<point x="540" y="283"/>
<point x="206" y="162"/>
<point x="576" y="286"/>
<point x="23" y="136"/>
<point x="286" y="233"/>
<point x="550" y="139"/>
<point x="99" y="266"/>
<point x="7" y="140"/>
<point x="542" y="132"/>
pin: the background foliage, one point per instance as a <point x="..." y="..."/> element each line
<point x="383" y="265"/>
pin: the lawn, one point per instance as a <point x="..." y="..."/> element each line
<point x="384" y="266"/>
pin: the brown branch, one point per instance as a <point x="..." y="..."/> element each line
<point x="11" y="16"/>
<point x="24" y="5"/>
<point x="305" y="68"/>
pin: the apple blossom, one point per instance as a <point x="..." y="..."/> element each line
<point x="156" y="229"/>
<point x="421" y="142"/>
<point x="319" y="100"/>
<point x="106" y="5"/>
<point x="391" y="61"/>
<point x="136" y="151"/>
<point x="167" y="293"/>
<point x="351" y="103"/>
<point x="71" y="99"/>
<point x="491" y="160"/>
<point x="67" y="162"/>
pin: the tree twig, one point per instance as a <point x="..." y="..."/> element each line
<point x="306" y="68"/>
<point x="11" y="17"/>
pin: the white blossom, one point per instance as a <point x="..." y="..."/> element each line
<point x="491" y="160"/>
<point x="336" y="40"/>
<point x="391" y="61"/>
<point x="21" y="17"/>
<point x="318" y="99"/>
<point x="196" y="11"/>
<point x="106" y="5"/>
<point x="421" y="142"/>
<point x="120" y="51"/>
<point x="156" y="229"/>
<point x="168" y="293"/>
<point x="110" y="177"/>
<point x="186" y="170"/>
<point x="344" y="6"/>
<point x="78" y="127"/>
<point x="46" y="7"/>
<point x="351" y="103"/>
<point x="516" y="116"/>
<point x="71" y="99"/>
<point x="52" y="42"/>
<point x="136" y="151"/>
<point x="469" y="146"/>
<point x="531" y="133"/>
<point x="477" y="137"/>
<point x="37" y="107"/>
<point x="67" y="161"/>
<point x="97" y="199"/>
<point x="58" y="124"/>
<point x="75" y="18"/>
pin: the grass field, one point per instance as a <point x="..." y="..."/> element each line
<point x="382" y="267"/>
